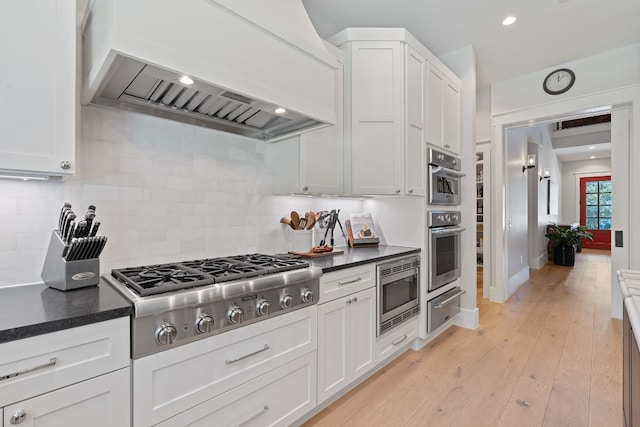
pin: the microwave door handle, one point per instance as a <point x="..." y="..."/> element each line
<point x="448" y="300"/>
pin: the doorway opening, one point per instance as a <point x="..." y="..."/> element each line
<point x="596" y="209"/>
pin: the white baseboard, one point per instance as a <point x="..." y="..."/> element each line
<point x="469" y="319"/>
<point x="538" y="262"/>
<point x="516" y="281"/>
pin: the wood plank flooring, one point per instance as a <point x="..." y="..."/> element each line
<point x="550" y="356"/>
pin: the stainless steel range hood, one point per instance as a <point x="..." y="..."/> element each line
<point x="251" y="75"/>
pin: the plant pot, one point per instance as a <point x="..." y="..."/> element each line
<point x="564" y="255"/>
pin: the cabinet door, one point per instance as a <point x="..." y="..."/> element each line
<point x="332" y="347"/>
<point x="376" y="83"/>
<point x="37" y="113"/>
<point x="435" y="124"/>
<point x="362" y="324"/>
<point x="451" y="116"/>
<point x="100" y="402"/>
<point x="322" y="152"/>
<point x="415" y="146"/>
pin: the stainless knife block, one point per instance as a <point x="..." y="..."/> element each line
<point x="66" y="275"/>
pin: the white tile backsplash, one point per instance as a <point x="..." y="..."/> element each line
<point x="164" y="191"/>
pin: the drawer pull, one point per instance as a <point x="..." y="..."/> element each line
<point x="399" y="340"/>
<point x="230" y="361"/>
<point x="253" y="417"/>
<point x="51" y="362"/>
<point x="448" y="300"/>
<point x="350" y="281"/>
<point x="18" y="417"/>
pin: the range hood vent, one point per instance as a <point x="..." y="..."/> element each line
<point x="239" y="82"/>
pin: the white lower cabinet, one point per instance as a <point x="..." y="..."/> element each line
<point x="103" y="401"/>
<point x="396" y="340"/>
<point x="72" y="378"/>
<point x="170" y="382"/>
<point x="346" y="340"/>
<point x="278" y="397"/>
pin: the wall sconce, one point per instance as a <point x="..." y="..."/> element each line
<point x="531" y="162"/>
<point x="546" y="174"/>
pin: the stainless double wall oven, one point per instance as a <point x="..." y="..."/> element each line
<point x="444" y="241"/>
<point x="444" y="178"/>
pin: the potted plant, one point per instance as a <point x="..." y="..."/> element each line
<point x="565" y="240"/>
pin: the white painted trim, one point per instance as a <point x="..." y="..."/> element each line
<point x="577" y="177"/>
<point x="517" y="280"/>
<point x="468" y="318"/>
<point x="578" y="106"/>
<point x="539" y="261"/>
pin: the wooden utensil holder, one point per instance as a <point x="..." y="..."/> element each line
<point x="64" y="275"/>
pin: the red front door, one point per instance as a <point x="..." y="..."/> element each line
<point x="595" y="210"/>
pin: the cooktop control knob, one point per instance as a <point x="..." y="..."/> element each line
<point x="204" y="323"/>
<point x="235" y="314"/>
<point x="286" y="301"/>
<point x="307" y="295"/>
<point x="263" y="307"/>
<point x="166" y="334"/>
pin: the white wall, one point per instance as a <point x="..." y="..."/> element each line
<point x="164" y="191"/>
<point x="517" y="204"/>
<point x="571" y="173"/>
<point x="483" y="115"/>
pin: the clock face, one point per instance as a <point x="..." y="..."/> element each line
<point x="559" y="81"/>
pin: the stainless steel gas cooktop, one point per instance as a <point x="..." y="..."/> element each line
<point x="181" y="302"/>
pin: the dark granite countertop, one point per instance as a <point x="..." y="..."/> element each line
<point x="358" y="256"/>
<point x="36" y="309"/>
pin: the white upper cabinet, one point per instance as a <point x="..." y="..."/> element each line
<point x="443" y="111"/>
<point x="415" y="147"/>
<point x="398" y="97"/>
<point x="38" y="74"/>
<point x="313" y="163"/>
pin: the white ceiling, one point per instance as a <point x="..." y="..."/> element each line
<point x="547" y="33"/>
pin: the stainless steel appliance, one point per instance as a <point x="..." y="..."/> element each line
<point x="444" y="178"/>
<point x="182" y="302"/>
<point x="443" y="308"/>
<point x="398" y="290"/>
<point x="444" y="232"/>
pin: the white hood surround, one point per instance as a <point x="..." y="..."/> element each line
<point x="266" y="51"/>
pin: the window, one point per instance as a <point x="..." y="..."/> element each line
<point x="598" y="204"/>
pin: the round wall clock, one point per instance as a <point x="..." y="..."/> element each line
<point x="559" y="81"/>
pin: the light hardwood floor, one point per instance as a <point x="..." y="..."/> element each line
<point x="550" y="356"/>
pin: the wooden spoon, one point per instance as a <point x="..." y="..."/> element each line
<point x="295" y="220"/>
<point x="311" y="221"/>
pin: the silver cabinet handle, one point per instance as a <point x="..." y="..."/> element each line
<point x="411" y="191"/>
<point x="51" y="362"/>
<point x="230" y="361"/>
<point x="65" y="164"/>
<point x="355" y="299"/>
<point x="253" y="417"/>
<point x="349" y="301"/>
<point x="350" y="281"/>
<point x="18" y="417"/>
<point x="399" y="340"/>
<point x="398" y="191"/>
<point x="305" y="188"/>
<point x="448" y="300"/>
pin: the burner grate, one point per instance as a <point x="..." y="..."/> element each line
<point x="226" y="269"/>
<point x="273" y="263"/>
<point x="155" y="279"/>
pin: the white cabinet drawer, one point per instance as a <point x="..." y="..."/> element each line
<point x="175" y="380"/>
<point x="338" y="284"/>
<point x="277" y="398"/>
<point x="99" y="402"/>
<point x="50" y="361"/>
<point x="396" y="340"/>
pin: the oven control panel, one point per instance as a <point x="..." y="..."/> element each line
<point x="443" y="218"/>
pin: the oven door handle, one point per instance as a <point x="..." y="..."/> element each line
<point x="444" y="231"/>
<point x="448" y="300"/>
<point x="451" y="172"/>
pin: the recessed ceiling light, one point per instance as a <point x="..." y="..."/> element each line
<point x="280" y="110"/>
<point x="186" y="80"/>
<point x="509" y="20"/>
<point x="592" y="148"/>
<point x="592" y="157"/>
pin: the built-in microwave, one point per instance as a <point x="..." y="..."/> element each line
<point x="444" y="178"/>
<point x="398" y="292"/>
